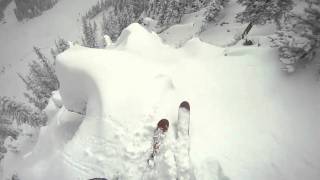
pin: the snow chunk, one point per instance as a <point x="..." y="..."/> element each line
<point x="56" y="98"/>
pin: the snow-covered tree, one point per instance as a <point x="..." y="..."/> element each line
<point x="110" y="25"/>
<point x="60" y="46"/>
<point x="166" y="12"/>
<point x="14" y="113"/>
<point x="40" y="81"/>
<point x="20" y="113"/>
<point x="263" y="11"/>
<point x="196" y="5"/>
<point x="117" y="19"/>
<point x="94" y="10"/>
<point x="294" y="49"/>
<point x="299" y="38"/>
<point x="212" y="10"/>
<point x="138" y="6"/>
<point x="174" y="13"/>
<point x="3" y="5"/>
<point x="126" y="16"/>
<point x="162" y="12"/>
<point x="312" y="20"/>
<point x="32" y="8"/>
<point x="89" y="32"/>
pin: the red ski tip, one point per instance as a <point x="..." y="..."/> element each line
<point x="185" y="104"/>
<point x="163" y="124"/>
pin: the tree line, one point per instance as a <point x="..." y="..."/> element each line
<point x="31" y="8"/>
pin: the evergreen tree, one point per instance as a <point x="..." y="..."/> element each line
<point x="41" y="81"/>
<point x="196" y="5"/>
<point x="117" y="19"/>
<point x="299" y="38"/>
<point x="125" y="17"/>
<point x="14" y="113"/>
<point x="212" y="10"/>
<point x="138" y="7"/>
<point x="104" y="24"/>
<point x="111" y="27"/>
<point x="153" y="9"/>
<point x="32" y="8"/>
<point x="60" y="46"/>
<point x="94" y="39"/>
<point x="263" y="11"/>
<point x="162" y="12"/>
<point x="165" y="12"/>
<point x="3" y="6"/>
<point x="312" y="21"/>
<point x="89" y="32"/>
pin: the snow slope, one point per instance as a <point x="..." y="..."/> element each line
<point x="18" y="38"/>
<point x="248" y="119"/>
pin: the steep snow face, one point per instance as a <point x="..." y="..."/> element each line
<point x="248" y="119"/>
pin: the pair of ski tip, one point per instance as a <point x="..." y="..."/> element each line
<point x="163" y="124"/>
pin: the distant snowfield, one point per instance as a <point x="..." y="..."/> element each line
<point x="248" y="119"/>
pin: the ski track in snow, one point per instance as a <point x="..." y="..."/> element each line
<point x="72" y="163"/>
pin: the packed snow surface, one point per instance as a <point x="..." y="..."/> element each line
<point x="249" y="120"/>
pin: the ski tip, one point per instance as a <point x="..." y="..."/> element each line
<point x="185" y="104"/>
<point x="163" y="124"/>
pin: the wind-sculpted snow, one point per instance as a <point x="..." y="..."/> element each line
<point x="248" y="120"/>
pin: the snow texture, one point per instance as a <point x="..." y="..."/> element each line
<point x="248" y="119"/>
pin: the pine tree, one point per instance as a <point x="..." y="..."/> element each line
<point x="153" y="9"/>
<point x="89" y="32"/>
<point x="299" y="38"/>
<point x="32" y="8"/>
<point x="212" y="10"/>
<point x="174" y="13"/>
<point x="3" y="6"/>
<point x="60" y="46"/>
<point x="13" y="112"/>
<point x="41" y="81"/>
<point x="125" y="17"/>
<point x="120" y="14"/>
<point x="312" y="21"/>
<point x="94" y="40"/>
<point x="138" y="7"/>
<point x="196" y="5"/>
<point x="263" y="11"/>
<point x="162" y="12"/>
<point x="165" y="12"/>
<point x="117" y="19"/>
<point x="104" y="24"/>
<point x="85" y="32"/>
<point x="111" y="27"/>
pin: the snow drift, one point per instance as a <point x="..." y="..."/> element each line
<point x="248" y="120"/>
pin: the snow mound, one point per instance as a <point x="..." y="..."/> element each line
<point x="248" y="120"/>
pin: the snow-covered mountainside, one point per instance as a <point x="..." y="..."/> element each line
<point x="18" y="38"/>
<point x="248" y="119"/>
